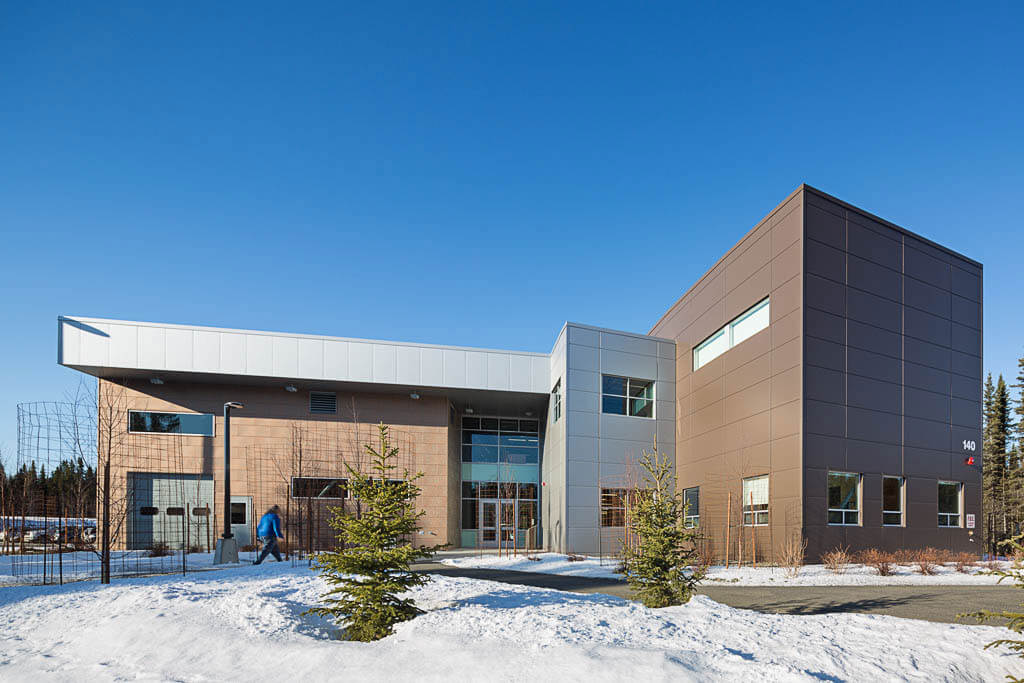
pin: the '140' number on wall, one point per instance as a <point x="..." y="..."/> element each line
<point x="969" y="445"/>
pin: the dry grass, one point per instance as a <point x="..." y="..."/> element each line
<point x="837" y="560"/>
<point x="990" y="565"/>
<point x="792" y="554"/>
<point x="882" y="562"/>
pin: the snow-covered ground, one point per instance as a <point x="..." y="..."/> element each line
<point x="246" y="623"/>
<point x="810" y="575"/>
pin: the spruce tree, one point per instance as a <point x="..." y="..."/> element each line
<point x="661" y="568"/>
<point x="1014" y="620"/>
<point x="370" y="571"/>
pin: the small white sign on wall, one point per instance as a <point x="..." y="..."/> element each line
<point x="970" y="521"/>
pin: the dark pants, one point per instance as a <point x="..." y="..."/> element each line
<point x="269" y="548"/>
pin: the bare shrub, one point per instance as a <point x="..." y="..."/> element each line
<point x="159" y="549"/>
<point x="991" y="565"/>
<point x="196" y="548"/>
<point x="879" y="560"/>
<point x="963" y="562"/>
<point x="926" y="562"/>
<point x="533" y="558"/>
<point x="1017" y="557"/>
<point x="575" y="557"/>
<point x="905" y="556"/>
<point x="837" y="560"/>
<point x="249" y="548"/>
<point x="792" y="555"/>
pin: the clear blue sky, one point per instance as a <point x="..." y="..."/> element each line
<point x="476" y="174"/>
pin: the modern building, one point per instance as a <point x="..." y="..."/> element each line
<point x="822" y="379"/>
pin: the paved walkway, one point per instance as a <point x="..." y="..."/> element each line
<point x="932" y="603"/>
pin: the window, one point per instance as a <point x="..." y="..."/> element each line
<point x="755" y="501"/>
<point x="627" y="396"/>
<point x="892" y="501"/>
<point x="323" y="402"/>
<point x="949" y="503"/>
<point x="147" y="511"/>
<point x="319" y="487"/>
<point x="843" y="498"/>
<point x="556" y="401"/>
<point x="613" y="507"/>
<point x="192" y="424"/>
<point x="176" y="512"/>
<point x="500" y="440"/>
<point x="523" y="495"/>
<point x="743" y="327"/>
<point x="238" y="513"/>
<point x="691" y="497"/>
<point x="200" y="512"/>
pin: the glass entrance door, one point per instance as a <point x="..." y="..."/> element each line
<point x="488" y="523"/>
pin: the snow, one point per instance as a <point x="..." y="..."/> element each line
<point x="810" y="575"/>
<point x="247" y="623"/>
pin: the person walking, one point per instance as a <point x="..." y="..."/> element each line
<point x="269" y="530"/>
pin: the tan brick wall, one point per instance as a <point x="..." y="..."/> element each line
<point x="275" y="431"/>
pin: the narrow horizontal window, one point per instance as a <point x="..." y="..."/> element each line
<point x="200" y="512"/>
<point x="147" y="511"/>
<point x="191" y="424"/>
<point x="319" y="487"/>
<point x="737" y="330"/>
<point x="176" y="512"/>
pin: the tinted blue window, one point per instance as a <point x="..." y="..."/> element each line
<point x="170" y="423"/>
<point x="613" y="405"/>
<point x="519" y="456"/>
<point x="479" y="454"/>
<point x="613" y="385"/>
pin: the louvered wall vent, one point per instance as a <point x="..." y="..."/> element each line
<point x="323" y="402"/>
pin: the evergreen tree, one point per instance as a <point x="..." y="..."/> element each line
<point x="661" y="567"/>
<point x="369" y="572"/>
<point x="1014" y="620"/>
<point x="992" y="469"/>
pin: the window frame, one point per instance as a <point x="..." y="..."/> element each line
<point x="959" y="514"/>
<point x="759" y="517"/>
<point x="856" y="511"/>
<point x="347" y="496"/>
<point x="622" y="493"/>
<point x="691" y="521"/>
<point x="556" y="407"/>
<point x="901" y="483"/>
<point x="213" y="423"/>
<point x="627" y="398"/>
<point x="728" y="329"/>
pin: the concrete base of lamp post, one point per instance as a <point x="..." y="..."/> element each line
<point x="226" y="552"/>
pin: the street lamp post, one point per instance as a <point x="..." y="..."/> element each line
<point x="227" y="546"/>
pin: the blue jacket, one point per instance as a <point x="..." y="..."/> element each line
<point x="270" y="525"/>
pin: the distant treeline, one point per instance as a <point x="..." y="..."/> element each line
<point x="69" y="490"/>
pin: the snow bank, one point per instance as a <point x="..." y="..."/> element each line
<point x="810" y="575"/>
<point x="247" y="623"/>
